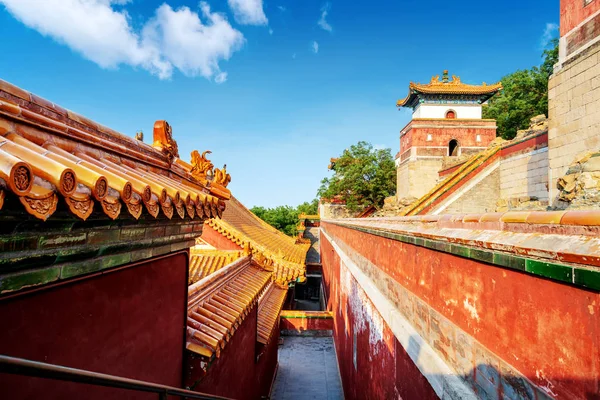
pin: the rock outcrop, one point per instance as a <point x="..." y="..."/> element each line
<point x="580" y="187"/>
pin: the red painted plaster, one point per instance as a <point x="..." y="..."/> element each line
<point x="548" y="331"/>
<point x="306" y="324"/>
<point x="381" y="370"/>
<point x="236" y="373"/>
<point x="217" y="240"/>
<point x="573" y="12"/>
<point x="128" y="323"/>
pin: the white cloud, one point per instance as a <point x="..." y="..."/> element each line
<point x="550" y="32"/>
<point x="248" y="12"/>
<point x="270" y="31"/>
<point x="315" y="47"/>
<point x="171" y="39"/>
<point x="221" y="77"/>
<point x="281" y="8"/>
<point x="323" y="22"/>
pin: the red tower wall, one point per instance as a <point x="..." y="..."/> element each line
<point x="129" y="323"/>
<point x="574" y="12"/>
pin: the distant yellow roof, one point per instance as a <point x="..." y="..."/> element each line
<point x="447" y="86"/>
<point x="242" y="227"/>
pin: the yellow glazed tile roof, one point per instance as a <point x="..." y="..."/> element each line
<point x="446" y="86"/>
<point x="49" y="154"/>
<point x="205" y="262"/>
<point x="278" y="250"/>
<point x="218" y="304"/>
<point x="269" y="308"/>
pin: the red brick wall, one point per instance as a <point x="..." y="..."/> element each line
<point x="416" y="135"/>
<point x="236" y="374"/>
<point x="573" y="12"/>
<point x="128" y="323"/>
<point x="546" y="330"/>
<point x="217" y="240"/>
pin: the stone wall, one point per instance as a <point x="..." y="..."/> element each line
<point x="525" y="175"/>
<point x="416" y="178"/>
<point x="574" y="113"/>
<point x="481" y="198"/>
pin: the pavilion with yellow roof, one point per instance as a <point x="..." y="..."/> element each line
<point x="446" y="122"/>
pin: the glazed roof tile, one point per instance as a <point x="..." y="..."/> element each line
<point x="244" y="228"/>
<point x="446" y="86"/>
<point x="269" y="308"/>
<point x="206" y="262"/>
<point x="48" y="154"/>
<point x="218" y="303"/>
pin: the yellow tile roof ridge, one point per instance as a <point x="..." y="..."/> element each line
<point x="447" y="86"/>
<point x="282" y="273"/>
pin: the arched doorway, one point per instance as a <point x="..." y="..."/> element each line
<point x="450" y="114"/>
<point x="453" y="148"/>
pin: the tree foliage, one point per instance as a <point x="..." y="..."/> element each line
<point x="285" y="218"/>
<point x="524" y="95"/>
<point x="363" y="176"/>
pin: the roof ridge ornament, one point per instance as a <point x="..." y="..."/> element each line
<point x="202" y="167"/>
<point x="163" y="140"/>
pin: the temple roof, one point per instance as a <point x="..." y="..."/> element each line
<point x="218" y="304"/>
<point x="48" y="154"/>
<point x="445" y="86"/>
<point x="269" y="308"/>
<point x="205" y="262"/>
<point x="244" y="228"/>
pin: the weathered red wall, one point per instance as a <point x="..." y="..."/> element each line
<point x="128" y="323"/>
<point x="573" y="12"/>
<point x="236" y="373"/>
<point x="447" y="130"/>
<point x="306" y="321"/>
<point x="217" y="240"/>
<point x="383" y="370"/>
<point x="548" y="331"/>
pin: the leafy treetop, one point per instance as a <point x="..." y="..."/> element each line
<point x="363" y="176"/>
<point x="524" y="95"/>
<point x="285" y="218"/>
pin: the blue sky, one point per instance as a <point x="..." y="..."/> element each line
<point x="245" y="80"/>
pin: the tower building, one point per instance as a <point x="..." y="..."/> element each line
<point x="446" y="121"/>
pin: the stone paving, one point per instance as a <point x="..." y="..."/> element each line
<point x="307" y="370"/>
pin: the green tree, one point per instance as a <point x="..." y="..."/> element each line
<point x="524" y="95"/>
<point x="363" y="176"/>
<point x="309" y="208"/>
<point x="285" y="218"/>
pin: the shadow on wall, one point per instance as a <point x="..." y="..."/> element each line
<point x="488" y="382"/>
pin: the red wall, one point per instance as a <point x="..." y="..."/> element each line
<point x="548" y="331"/>
<point x="236" y="373"/>
<point x="128" y="323"/>
<point x="417" y="136"/>
<point x="306" y="323"/>
<point x="573" y="12"/>
<point x="383" y="369"/>
<point x="217" y="240"/>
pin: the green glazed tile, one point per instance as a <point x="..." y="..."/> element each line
<point x="548" y="270"/>
<point x="462" y="251"/>
<point x="509" y="261"/>
<point x="482" y="255"/>
<point x="588" y="278"/>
